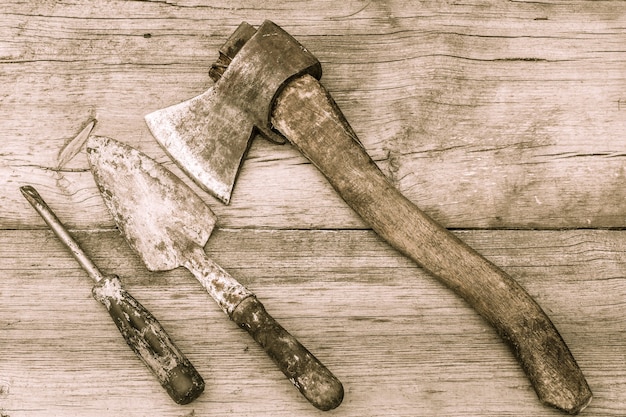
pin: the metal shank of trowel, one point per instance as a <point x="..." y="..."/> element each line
<point x="304" y="112"/>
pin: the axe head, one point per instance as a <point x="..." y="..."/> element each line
<point x="208" y="135"/>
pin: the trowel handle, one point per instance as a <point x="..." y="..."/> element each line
<point x="308" y="117"/>
<point x="304" y="370"/>
<point x="309" y="375"/>
<point x="149" y="341"/>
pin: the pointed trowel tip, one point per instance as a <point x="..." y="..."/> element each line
<point x="95" y="140"/>
<point x="93" y="146"/>
<point x="102" y="148"/>
<point x="95" y="143"/>
<point x="105" y="157"/>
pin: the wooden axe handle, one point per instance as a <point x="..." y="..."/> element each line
<point x="308" y="117"/>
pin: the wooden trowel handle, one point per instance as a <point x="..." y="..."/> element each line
<point x="314" y="381"/>
<point x="147" y="338"/>
<point x="308" y="117"/>
<point x="304" y="370"/>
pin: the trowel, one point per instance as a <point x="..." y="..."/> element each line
<point x="168" y="225"/>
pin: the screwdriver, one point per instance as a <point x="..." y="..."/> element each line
<point x="141" y="330"/>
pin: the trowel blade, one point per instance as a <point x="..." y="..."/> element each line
<point x="158" y="214"/>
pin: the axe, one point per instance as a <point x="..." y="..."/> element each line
<point x="267" y="83"/>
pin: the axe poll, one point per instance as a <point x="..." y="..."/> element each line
<point x="266" y="82"/>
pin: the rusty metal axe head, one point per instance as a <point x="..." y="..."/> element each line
<point x="208" y="135"/>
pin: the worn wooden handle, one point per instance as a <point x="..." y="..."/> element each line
<point x="314" y="381"/>
<point x="150" y="342"/>
<point x="308" y="117"/>
<point x="305" y="371"/>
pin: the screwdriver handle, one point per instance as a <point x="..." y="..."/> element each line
<point x="147" y="338"/>
<point x="142" y="331"/>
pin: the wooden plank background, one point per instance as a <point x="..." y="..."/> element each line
<point x="503" y="120"/>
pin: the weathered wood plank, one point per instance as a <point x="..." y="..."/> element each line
<point x="486" y="114"/>
<point x="399" y="341"/>
<point x="516" y="108"/>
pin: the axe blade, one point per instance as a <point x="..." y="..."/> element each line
<point x="211" y="157"/>
<point x="208" y="136"/>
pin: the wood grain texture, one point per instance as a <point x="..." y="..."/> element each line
<point x="517" y="108"/>
<point x="400" y="342"/>
<point x="488" y="115"/>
